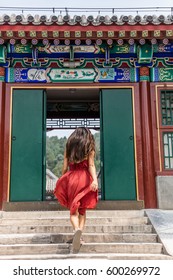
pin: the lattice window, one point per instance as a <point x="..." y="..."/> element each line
<point x="168" y="150"/>
<point x="167" y="107"/>
<point x="72" y="123"/>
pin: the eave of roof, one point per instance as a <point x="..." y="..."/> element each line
<point x="84" y="20"/>
<point x="18" y="27"/>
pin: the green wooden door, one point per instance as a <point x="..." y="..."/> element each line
<point x="117" y="145"/>
<point x="28" y="146"/>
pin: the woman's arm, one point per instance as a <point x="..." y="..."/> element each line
<point x="92" y="170"/>
<point x="65" y="164"/>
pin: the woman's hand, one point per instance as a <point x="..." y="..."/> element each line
<point x="94" y="186"/>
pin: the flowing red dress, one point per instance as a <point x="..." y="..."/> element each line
<point x="73" y="188"/>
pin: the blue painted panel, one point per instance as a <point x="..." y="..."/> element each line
<point x="58" y="75"/>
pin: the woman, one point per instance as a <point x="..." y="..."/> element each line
<point x="77" y="189"/>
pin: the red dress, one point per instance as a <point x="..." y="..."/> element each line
<point x="73" y="188"/>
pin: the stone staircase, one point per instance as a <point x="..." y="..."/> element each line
<point x="108" y="234"/>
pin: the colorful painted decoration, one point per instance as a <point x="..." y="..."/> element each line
<point x="12" y="41"/>
<point x="144" y="74"/>
<point x="56" y="75"/>
<point x="153" y="41"/>
<point x="72" y="107"/>
<point x="56" y="42"/>
<point x="31" y="75"/>
<point x="67" y="42"/>
<point x="125" y="48"/>
<point x="45" y="42"/>
<point x="57" y="48"/>
<point x="161" y="74"/>
<point x="88" y="42"/>
<point x="1" y="41"/>
<point x="23" y="41"/>
<point x="142" y="41"/>
<point x="165" y="41"/>
<point x="19" y="48"/>
<point x="118" y="75"/>
<point x="2" y="74"/>
<point x="110" y="42"/>
<point x="3" y="53"/>
<point x="53" y="75"/>
<point x="163" y="48"/>
<point x="71" y="75"/>
<point x="77" y="42"/>
<point x="120" y="42"/>
<point x="131" y="41"/>
<point x="145" y="53"/>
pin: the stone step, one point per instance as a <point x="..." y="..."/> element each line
<point x="55" y="214"/>
<point x="64" y="238"/>
<point x="128" y="248"/>
<point x="142" y="248"/>
<point x="108" y="234"/>
<point x="65" y="221"/>
<point x="109" y="256"/>
<point x="6" y="229"/>
<point x="21" y="249"/>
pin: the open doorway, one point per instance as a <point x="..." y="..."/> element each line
<point x="68" y="108"/>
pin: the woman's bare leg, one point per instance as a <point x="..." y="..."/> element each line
<point x="77" y="232"/>
<point x="74" y="219"/>
<point x="82" y="219"/>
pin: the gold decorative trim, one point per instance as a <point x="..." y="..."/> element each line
<point x="55" y="33"/>
<point x="111" y="34"/>
<point x="145" y="33"/>
<point x="44" y="34"/>
<point x="122" y="33"/>
<point x="32" y="33"/>
<point x="66" y="34"/>
<point x="156" y="33"/>
<point x="21" y="33"/>
<point x="89" y="33"/>
<point x="169" y="33"/>
<point x="99" y="34"/>
<point x="133" y="33"/>
<point x="78" y="34"/>
<point x="9" y="33"/>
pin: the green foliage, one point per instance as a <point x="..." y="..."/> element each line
<point x="55" y="153"/>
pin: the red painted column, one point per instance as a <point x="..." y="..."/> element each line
<point x="148" y="153"/>
<point x="2" y="105"/>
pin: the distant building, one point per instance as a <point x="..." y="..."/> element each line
<point x="51" y="180"/>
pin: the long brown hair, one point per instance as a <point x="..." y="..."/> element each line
<point x="79" y="144"/>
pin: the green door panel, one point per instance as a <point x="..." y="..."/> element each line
<point x="27" y="148"/>
<point x="118" y="166"/>
<point x="44" y="145"/>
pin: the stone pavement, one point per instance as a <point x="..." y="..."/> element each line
<point x="162" y="221"/>
<point x="131" y="234"/>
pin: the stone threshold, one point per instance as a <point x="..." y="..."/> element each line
<point x="55" y="206"/>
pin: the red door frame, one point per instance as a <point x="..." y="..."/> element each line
<point x="2" y="111"/>
<point x="137" y="129"/>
